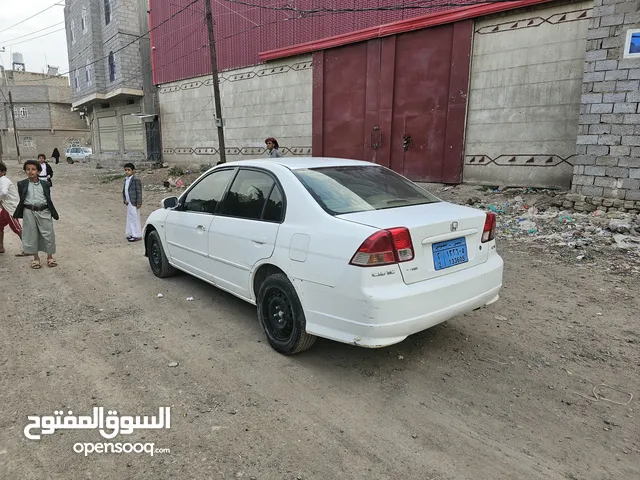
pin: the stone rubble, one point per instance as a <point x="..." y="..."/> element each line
<point x="579" y="228"/>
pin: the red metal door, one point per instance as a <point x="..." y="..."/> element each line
<point x="340" y="74"/>
<point x="399" y="101"/>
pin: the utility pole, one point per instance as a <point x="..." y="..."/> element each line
<point x="15" y="130"/>
<point x="216" y="84"/>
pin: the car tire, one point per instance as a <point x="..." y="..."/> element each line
<point x="157" y="258"/>
<point x="281" y="316"/>
<point x="69" y="160"/>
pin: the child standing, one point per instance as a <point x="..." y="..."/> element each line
<point x="132" y="196"/>
<point x="8" y="202"/>
<point x="37" y="210"/>
<point x="46" y="172"/>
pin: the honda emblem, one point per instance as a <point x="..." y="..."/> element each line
<point x="454" y="226"/>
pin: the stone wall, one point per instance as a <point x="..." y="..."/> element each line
<point x="90" y="49"/>
<point x="607" y="168"/>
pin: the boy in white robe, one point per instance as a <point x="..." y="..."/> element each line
<point x="132" y="197"/>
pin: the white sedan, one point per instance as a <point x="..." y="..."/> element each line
<point x="326" y="247"/>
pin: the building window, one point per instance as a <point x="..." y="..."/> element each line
<point x="107" y="12"/>
<point x="632" y="44"/>
<point x="76" y="79"/>
<point x="112" y="67"/>
<point x="24" y="113"/>
<point x="83" y="20"/>
<point x="27" y="142"/>
<point x="73" y="35"/>
<point x="89" y="72"/>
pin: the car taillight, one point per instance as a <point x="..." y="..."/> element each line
<point x="489" y="231"/>
<point x="384" y="248"/>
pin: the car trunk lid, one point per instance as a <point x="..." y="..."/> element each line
<point x="446" y="238"/>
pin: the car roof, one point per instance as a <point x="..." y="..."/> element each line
<point x="297" y="163"/>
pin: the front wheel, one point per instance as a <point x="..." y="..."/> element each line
<point x="69" y="160"/>
<point x="281" y="316"/>
<point x="157" y="259"/>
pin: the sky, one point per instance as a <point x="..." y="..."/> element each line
<point x="49" y="49"/>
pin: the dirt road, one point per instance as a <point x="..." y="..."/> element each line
<point x="503" y="393"/>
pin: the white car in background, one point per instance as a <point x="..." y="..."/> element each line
<point x="77" y="154"/>
<point x="325" y="247"/>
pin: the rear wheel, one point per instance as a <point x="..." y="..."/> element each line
<point x="281" y="316"/>
<point x="157" y="259"/>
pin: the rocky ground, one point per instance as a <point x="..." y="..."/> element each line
<point x="542" y="385"/>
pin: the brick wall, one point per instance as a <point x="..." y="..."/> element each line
<point x="608" y="161"/>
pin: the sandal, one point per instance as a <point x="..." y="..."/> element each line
<point x="51" y="262"/>
<point x="35" y="264"/>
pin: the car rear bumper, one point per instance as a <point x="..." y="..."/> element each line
<point x="385" y="314"/>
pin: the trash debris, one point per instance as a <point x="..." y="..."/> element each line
<point x="619" y="226"/>
<point x="544" y="219"/>
<point x="179" y="183"/>
<point x="495" y="209"/>
<point x="189" y="299"/>
<point x="400" y="357"/>
<point x="160" y="295"/>
<point x="173" y="364"/>
<point x="597" y="397"/>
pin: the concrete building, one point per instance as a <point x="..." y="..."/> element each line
<point x="110" y="71"/>
<point x="491" y="94"/>
<point x="42" y="109"/>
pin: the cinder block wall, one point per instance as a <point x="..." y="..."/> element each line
<point x="608" y="145"/>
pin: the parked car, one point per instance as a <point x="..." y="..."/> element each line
<point x="324" y="247"/>
<point x="76" y="154"/>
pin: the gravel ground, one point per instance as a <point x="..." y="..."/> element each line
<point x="506" y="392"/>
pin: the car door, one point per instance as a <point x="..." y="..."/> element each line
<point x="187" y="226"/>
<point x="245" y="229"/>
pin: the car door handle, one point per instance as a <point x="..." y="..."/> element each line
<point x="260" y="240"/>
<point x="200" y="228"/>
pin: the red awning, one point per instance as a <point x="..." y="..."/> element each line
<point x="402" y="26"/>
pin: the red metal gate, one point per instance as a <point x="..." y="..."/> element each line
<point x="399" y="101"/>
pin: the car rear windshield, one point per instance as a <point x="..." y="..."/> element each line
<point x="352" y="189"/>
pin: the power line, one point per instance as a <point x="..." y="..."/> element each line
<point x="135" y="39"/>
<point x="5" y="42"/>
<point x="34" y="38"/>
<point x="418" y="5"/>
<point x="34" y="15"/>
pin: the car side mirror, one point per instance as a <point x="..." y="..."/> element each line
<point x="170" y="202"/>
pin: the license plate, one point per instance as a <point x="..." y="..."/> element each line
<point x="450" y="253"/>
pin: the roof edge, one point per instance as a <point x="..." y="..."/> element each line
<point x="401" y="26"/>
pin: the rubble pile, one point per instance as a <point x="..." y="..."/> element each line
<point x="540" y="216"/>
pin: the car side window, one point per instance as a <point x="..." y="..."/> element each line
<point x="247" y="195"/>
<point x="206" y="194"/>
<point x="274" y="210"/>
